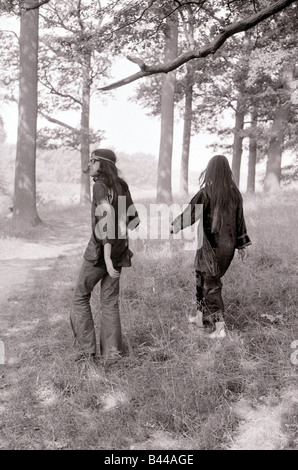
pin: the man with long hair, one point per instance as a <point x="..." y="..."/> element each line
<point x="224" y="230"/>
<point x="105" y="256"/>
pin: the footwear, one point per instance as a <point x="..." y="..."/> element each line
<point x="198" y="319"/>
<point x="113" y="357"/>
<point x="85" y="357"/>
<point x="219" y="330"/>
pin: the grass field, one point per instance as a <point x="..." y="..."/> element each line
<point x="173" y="389"/>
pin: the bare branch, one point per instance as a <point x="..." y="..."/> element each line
<point x="211" y="48"/>
<point x="36" y="5"/>
<point x="137" y="61"/>
<point x="53" y="90"/>
<point x="9" y="32"/>
<point x="60" y="123"/>
<point x="80" y="21"/>
<point x="136" y="20"/>
<point x="212" y="15"/>
<point x="61" y="20"/>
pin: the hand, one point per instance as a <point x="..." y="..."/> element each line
<point x="241" y="254"/>
<point x="174" y="229"/>
<point x="111" y="270"/>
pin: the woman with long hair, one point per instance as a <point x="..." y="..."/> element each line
<point x="105" y="256"/>
<point x="219" y="203"/>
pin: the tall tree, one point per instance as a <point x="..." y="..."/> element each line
<point x="85" y="123"/>
<point x="189" y="79"/>
<point x="24" y="204"/>
<point x="277" y="132"/>
<point x="241" y="106"/>
<point x="188" y="23"/>
<point x="164" y="181"/>
<point x="238" y="136"/>
<point x="252" y="154"/>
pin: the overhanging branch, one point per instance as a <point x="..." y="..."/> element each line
<point x="36" y="5"/>
<point x="211" y="48"/>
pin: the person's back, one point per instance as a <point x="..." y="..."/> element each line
<point x="224" y="230"/>
<point x="222" y="227"/>
<point x="110" y="204"/>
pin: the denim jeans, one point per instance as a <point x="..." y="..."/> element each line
<point x="81" y="316"/>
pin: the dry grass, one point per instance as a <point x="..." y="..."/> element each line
<point x="173" y="389"/>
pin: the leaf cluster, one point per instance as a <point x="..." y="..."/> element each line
<point x="55" y="138"/>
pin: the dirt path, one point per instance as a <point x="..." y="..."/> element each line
<point x="20" y="258"/>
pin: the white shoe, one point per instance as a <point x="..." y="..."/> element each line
<point x="219" y="330"/>
<point x="198" y="319"/>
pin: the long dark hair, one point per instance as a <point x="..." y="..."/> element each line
<point x="221" y="188"/>
<point x="109" y="174"/>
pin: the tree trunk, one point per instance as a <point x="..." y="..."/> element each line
<point x="238" y="138"/>
<point x="84" y="130"/>
<point x="252" y="155"/>
<point x="186" y="133"/>
<point x="164" y="178"/>
<point x="24" y="205"/>
<point x="277" y="134"/>
<point x="276" y="141"/>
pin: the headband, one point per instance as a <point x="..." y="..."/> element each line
<point x="102" y="158"/>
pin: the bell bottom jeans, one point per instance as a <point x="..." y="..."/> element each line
<point x="81" y="318"/>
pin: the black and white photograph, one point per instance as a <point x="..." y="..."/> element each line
<point x="148" y="228"/>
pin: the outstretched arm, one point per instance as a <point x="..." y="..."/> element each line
<point x="190" y="215"/>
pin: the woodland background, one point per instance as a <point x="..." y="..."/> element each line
<point x="230" y="71"/>
<point x="227" y="68"/>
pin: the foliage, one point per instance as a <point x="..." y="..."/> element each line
<point x="290" y="173"/>
<point x="139" y="169"/>
<point x="54" y="138"/>
<point x="7" y="165"/>
<point x="9" y="62"/>
<point x="8" y="6"/>
<point x="2" y="131"/>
